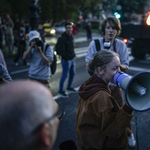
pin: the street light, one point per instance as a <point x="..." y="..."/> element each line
<point x="34" y="15"/>
<point x="117" y="15"/>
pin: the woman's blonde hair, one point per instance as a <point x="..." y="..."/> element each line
<point x="101" y="59"/>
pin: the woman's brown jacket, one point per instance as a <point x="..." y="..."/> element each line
<point x="100" y="122"/>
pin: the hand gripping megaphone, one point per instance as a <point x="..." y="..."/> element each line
<point x="137" y="89"/>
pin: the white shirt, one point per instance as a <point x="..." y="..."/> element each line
<point x="121" y="49"/>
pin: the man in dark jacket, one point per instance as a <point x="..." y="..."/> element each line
<point x="67" y="60"/>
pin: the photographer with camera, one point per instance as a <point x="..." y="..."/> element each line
<point x="40" y="58"/>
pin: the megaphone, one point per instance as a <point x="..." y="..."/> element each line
<point x="137" y="89"/>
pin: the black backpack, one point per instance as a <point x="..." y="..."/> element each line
<point x="53" y="66"/>
<point x="97" y="44"/>
<point x="98" y="48"/>
<point x="58" y="46"/>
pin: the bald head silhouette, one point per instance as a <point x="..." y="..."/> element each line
<point x="24" y="105"/>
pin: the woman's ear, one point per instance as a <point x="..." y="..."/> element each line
<point x="100" y="71"/>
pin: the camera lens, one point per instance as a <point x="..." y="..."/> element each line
<point x="39" y="43"/>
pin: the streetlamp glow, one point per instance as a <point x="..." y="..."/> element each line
<point x="117" y="15"/>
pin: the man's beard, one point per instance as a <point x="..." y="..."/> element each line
<point x="68" y="33"/>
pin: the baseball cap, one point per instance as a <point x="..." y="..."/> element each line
<point x="33" y="35"/>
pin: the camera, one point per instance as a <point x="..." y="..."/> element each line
<point x="39" y="43"/>
<point x="107" y="44"/>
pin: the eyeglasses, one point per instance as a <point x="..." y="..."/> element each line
<point x="59" y="114"/>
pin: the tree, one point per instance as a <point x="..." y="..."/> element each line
<point x="20" y="7"/>
<point x="55" y="10"/>
<point x="4" y="7"/>
<point x="67" y="9"/>
<point x="131" y="6"/>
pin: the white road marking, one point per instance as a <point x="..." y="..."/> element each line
<point x="20" y="71"/>
<point x="138" y="69"/>
<point x="81" y="52"/>
<point x="131" y="58"/>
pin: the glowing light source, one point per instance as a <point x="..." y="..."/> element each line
<point x="117" y="15"/>
<point x="52" y="31"/>
<point x="148" y="20"/>
<point x="125" y="40"/>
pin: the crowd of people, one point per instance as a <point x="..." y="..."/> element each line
<point x="13" y="35"/>
<point x="29" y="115"/>
<point x="6" y="32"/>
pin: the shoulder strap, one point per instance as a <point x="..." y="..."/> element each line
<point x="46" y="47"/>
<point x="97" y="44"/>
<point x="114" y="45"/>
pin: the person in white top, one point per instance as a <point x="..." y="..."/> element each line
<point x="111" y="28"/>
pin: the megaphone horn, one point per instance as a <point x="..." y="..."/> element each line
<point x="137" y="91"/>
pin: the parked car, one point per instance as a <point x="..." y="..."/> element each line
<point x="60" y="28"/>
<point x="49" y="29"/>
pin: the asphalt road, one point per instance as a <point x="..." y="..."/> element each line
<point x="140" y="121"/>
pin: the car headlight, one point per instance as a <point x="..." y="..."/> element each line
<point x="52" y="31"/>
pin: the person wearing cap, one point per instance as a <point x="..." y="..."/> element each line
<point x="40" y="58"/>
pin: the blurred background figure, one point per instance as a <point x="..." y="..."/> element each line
<point x="75" y="30"/>
<point x="20" y="43"/>
<point x="4" y="75"/>
<point x="9" y="32"/>
<point x="41" y="31"/>
<point x="2" y="31"/>
<point x="99" y="29"/>
<point x="88" y="29"/>
<point x="1" y="34"/>
<point x="27" y="29"/>
<point x="2" y="60"/>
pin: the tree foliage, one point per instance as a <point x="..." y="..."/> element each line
<point x="131" y="6"/>
<point x="57" y="10"/>
<point x="12" y="7"/>
<point x="67" y="9"/>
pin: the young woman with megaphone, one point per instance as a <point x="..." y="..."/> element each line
<point x="111" y="28"/>
<point x="101" y="124"/>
